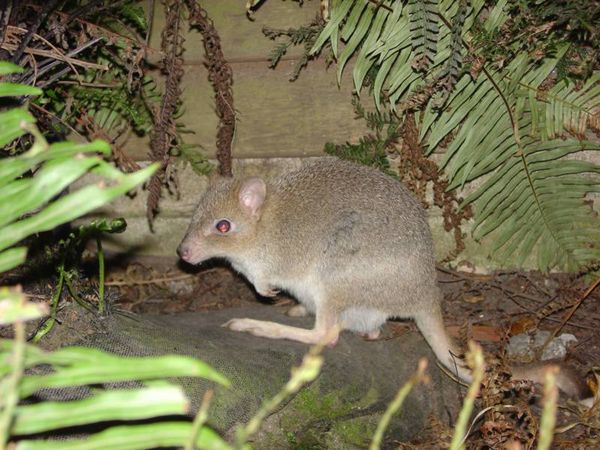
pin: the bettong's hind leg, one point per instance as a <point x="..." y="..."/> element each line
<point x="326" y="327"/>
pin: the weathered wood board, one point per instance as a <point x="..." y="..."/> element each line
<point x="276" y="117"/>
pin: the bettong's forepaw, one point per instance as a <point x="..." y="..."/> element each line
<point x="268" y="291"/>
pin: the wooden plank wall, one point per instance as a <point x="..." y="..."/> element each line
<point x="276" y="117"/>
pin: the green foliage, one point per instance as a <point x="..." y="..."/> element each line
<point x="111" y="107"/>
<point x="132" y="12"/>
<point x="109" y="93"/>
<point x="372" y="149"/>
<point x="55" y="166"/>
<point x="29" y="184"/>
<point x="533" y="196"/>
<point x="69" y="251"/>
<point x="111" y="100"/>
<point x="424" y="29"/>
<point x="78" y="366"/>
<point x="539" y="26"/>
<point x="511" y="119"/>
<point x="304" y="35"/>
<point x="451" y="71"/>
<point x="196" y="158"/>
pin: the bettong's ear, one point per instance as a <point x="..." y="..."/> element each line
<point x="253" y="192"/>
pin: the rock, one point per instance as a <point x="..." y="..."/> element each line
<point x="526" y="345"/>
<point x="339" y="410"/>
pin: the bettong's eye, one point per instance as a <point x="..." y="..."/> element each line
<point x="223" y="226"/>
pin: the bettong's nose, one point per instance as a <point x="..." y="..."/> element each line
<point x="184" y="251"/>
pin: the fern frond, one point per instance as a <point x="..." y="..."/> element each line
<point x="330" y="32"/>
<point x="449" y="74"/>
<point x="424" y="30"/>
<point x="277" y="53"/>
<point x="364" y="63"/>
<point x="535" y="198"/>
<point x="566" y="108"/>
<point x="356" y="28"/>
<point x="505" y="120"/>
<point x="498" y="15"/>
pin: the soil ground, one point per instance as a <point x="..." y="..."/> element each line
<point x="486" y="308"/>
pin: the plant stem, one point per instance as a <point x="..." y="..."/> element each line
<point x="307" y="372"/>
<point x="199" y="420"/>
<point x="54" y="308"/>
<point x="101" y="305"/>
<point x="10" y="386"/>
<point x="548" y="420"/>
<point x="76" y="297"/>
<point x="476" y="363"/>
<point x="418" y="377"/>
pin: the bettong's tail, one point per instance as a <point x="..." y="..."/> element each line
<point x="433" y="329"/>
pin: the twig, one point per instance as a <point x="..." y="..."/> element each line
<point x="509" y="292"/>
<point x="571" y="312"/>
<point x="464" y="276"/>
<point x="97" y="31"/>
<point x="41" y="297"/>
<point x="49" y="64"/>
<point x="53" y="54"/>
<point x="92" y="85"/>
<point x="541" y="317"/>
<point x="512" y="294"/>
<point x="84" y="9"/>
<point x="40" y="19"/>
<point x="152" y="281"/>
<point x="54" y="116"/>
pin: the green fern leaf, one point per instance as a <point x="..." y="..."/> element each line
<point x="330" y="32"/>
<point x="448" y="77"/>
<point x="350" y="26"/>
<point x="542" y="207"/>
<point x="358" y="30"/>
<point x="507" y="124"/>
<point x="424" y="31"/>
<point x="498" y="15"/>
<point x="567" y="109"/>
<point x="364" y="60"/>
